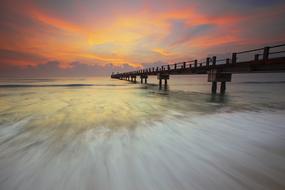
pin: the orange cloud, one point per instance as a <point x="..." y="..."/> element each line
<point x="131" y="37"/>
<point x="38" y="15"/>
<point x="162" y="52"/>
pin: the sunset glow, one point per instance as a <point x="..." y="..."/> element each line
<point x="131" y="33"/>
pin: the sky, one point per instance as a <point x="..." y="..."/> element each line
<point x="95" y="37"/>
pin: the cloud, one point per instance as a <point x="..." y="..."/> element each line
<point x="53" y="69"/>
<point x="20" y="58"/>
<point x="162" y="52"/>
<point x="182" y="33"/>
<point x="96" y="33"/>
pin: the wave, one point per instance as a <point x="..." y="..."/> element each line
<point x="217" y="152"/>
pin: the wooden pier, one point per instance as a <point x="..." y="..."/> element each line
<point x="262" y="60"/>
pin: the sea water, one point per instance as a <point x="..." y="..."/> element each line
<point x="101" y="133"/>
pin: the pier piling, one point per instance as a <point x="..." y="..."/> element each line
<point x="161" y="77"/>
<point x="144" y="77"/>
<point x="214" y="87"/>
<point x="223" y="87"/>
<point x="215" y="76"/>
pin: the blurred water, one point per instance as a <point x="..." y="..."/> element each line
<point x="99" y="133"/>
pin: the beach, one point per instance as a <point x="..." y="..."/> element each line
<point x="99" y="133"/>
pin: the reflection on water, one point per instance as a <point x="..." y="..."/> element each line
<point x="100" y="133"/>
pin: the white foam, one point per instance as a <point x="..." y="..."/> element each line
<point x="218" y="151"/>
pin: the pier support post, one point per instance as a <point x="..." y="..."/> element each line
<point x="266" y="53"/>
<point x="161" y="77"/>
<point x="234" y="58"/>
<point x="256" y="57"/>
<point x="223" y="87"/>
<point x="214" y="76"/>
<point x="195" y="63"/>
<point x="208" y="61"/>
<point x="214" y="87"/>
<point x="144" y="77"/>
<point x="214" y="60"/>
<point x="133" y="78"/>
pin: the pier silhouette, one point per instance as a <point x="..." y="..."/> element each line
<point x="269" y="59"/>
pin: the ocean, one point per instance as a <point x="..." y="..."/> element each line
<point x="104" y="134"/>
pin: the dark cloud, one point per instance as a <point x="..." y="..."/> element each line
<point x="52" y="69"/>
<point x="10" y="54"/>
<point x="182" y="32"/>
<point x="223" y="7"/>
